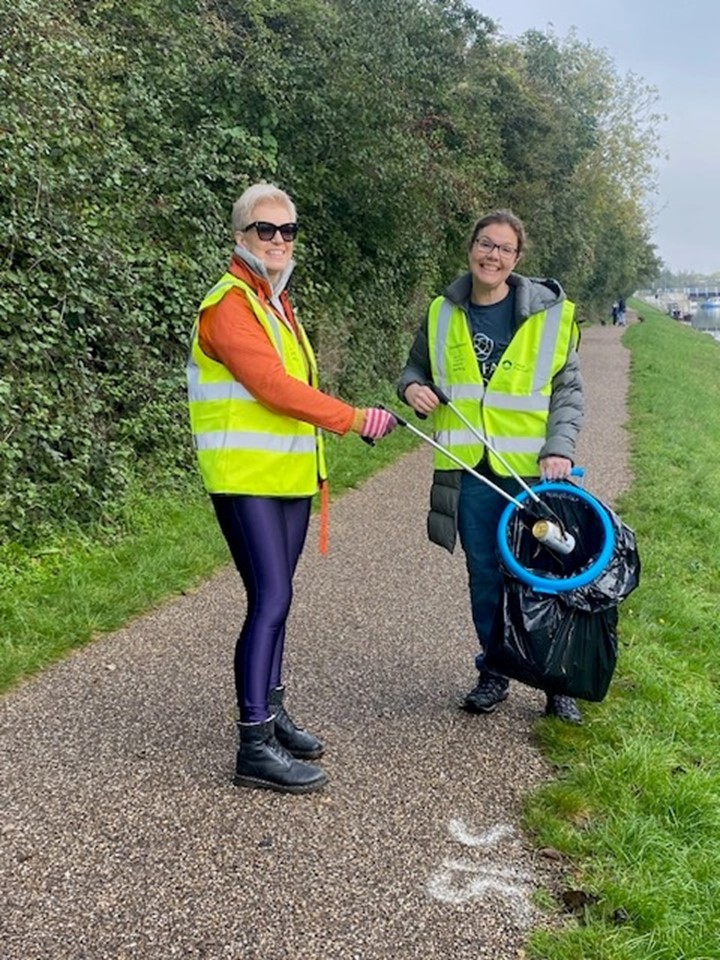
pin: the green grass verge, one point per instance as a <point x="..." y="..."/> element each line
<point x="58" y="597"/>
<point x="636" y="802"/>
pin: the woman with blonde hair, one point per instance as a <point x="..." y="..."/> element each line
<point x="257" y="416"/>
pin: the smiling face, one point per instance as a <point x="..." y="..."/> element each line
<point x="492" y="258"/>
<point x="275" y="253"/>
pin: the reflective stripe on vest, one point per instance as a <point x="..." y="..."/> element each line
<point x="242" y="445"/>
<point x="512" y="411"/>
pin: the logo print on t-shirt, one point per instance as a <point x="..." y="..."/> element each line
<point x="483" y="346"/>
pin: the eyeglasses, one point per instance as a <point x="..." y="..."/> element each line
<point x="267" y="231"/>
<point x="487" y="246"/>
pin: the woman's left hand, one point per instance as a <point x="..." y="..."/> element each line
<point x="377" y="423"/>
<point x="555" y="468"/>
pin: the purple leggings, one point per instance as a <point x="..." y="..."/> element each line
<point x="266" y="536"/>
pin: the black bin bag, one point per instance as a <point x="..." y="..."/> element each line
<point x="565" y="640"/>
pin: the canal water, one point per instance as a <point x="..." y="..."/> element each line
<point x="707" y="319"/>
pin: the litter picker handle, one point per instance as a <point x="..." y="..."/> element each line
<point x="401" y="423"/>
<point x="440" y="394"/>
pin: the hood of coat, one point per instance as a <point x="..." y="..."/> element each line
<point x="531" y="294"/>
<point x="257" y="267"/>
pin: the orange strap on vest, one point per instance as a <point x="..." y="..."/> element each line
<point x="324" y="515"/>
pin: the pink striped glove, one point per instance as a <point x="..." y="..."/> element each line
<point x="377" y="423"/>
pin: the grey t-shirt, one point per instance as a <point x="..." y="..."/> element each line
<point x="492" y="328"/>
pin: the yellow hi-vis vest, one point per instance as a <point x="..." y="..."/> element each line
<point x="242" y="446"/>
<point x="512" y="411"/>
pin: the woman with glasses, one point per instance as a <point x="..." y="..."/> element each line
<point x="257" y="414"/>
<point x="503" y="347"/>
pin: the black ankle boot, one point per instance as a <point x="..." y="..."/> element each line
<point x="299" y="742"/>
<point x="262" y="762"/>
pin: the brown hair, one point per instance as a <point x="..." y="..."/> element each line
<point x="502" y="216"/>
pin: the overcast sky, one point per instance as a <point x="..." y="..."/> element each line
<point x="675" y="48"/>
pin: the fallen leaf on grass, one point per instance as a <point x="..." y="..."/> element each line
<point x="575" y="901"/>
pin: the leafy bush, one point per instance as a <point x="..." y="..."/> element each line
<point x="129" y="128"/>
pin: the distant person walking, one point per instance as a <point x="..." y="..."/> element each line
<point x="621" y="312"/>
<point x="503" y="348"/>
<point x="256" y="413"/>
<point x="615" y="313"/>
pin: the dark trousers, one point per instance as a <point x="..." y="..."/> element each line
<point x="479" y="513"/>
<point x="266" y="536"/>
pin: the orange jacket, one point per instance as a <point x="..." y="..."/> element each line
<point x="230" y="333"/>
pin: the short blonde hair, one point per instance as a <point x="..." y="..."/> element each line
<point x="242" y="211"/>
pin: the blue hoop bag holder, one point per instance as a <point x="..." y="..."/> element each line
<point x="559" y="630"/>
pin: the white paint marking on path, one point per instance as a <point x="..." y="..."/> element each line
<point x="459" y="832"/>
<point x="457" y="881"/>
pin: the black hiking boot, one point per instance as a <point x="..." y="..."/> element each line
<point x="562" y="707"/>
<point x="491" y="690"/>
<point x="263" y="763"/>
<point x="299" y="742"/>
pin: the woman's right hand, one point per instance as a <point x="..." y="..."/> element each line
<point x="421" y="398"/>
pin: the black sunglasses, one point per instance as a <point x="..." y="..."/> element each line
<point x="267" y="231"/>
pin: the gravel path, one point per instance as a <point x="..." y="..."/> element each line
<point x="121" y="835"/>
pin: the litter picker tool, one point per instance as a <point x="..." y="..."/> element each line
<point x="547" y="524"/>
<point x="547" y="527"/>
